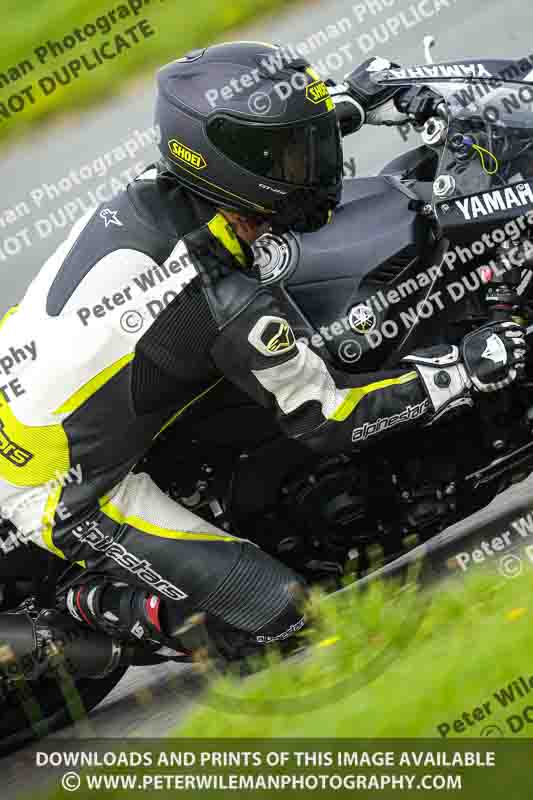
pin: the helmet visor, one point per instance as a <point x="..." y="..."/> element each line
<point x="305" y="154"/>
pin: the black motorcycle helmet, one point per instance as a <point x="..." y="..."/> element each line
<point x="253" y="130"/>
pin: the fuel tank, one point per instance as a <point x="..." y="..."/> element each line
<point x="375" y="234"/>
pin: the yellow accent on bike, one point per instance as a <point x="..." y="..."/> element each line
<point x="481" y="150"/>
<point x="354" y="396"/>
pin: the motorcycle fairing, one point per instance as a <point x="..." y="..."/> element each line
<point x="474" y="214"/>
<point x="375" y="223"/>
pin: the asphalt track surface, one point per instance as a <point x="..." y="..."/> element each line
<point x="150" y="702"/>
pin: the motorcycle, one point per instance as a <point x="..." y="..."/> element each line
<point x="414" y="256"/>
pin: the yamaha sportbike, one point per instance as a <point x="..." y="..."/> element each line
<point x="434" y="246"/>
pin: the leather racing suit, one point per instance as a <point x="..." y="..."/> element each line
<point x="149" y="303"/>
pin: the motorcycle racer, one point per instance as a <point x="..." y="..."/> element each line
<point x="149" y="304"/>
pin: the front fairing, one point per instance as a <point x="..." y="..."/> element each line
<point x="485" y="170"/>
<point x="486" y="163"/>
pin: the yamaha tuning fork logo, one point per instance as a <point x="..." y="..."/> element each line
<point x="362" y="319"/>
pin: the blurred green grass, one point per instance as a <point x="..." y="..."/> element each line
<point x="178" y="26"/>
<point x="447" y="653"/>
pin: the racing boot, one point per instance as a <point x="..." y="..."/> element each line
<point x="123" y="612"/>
<point x="34" y="641"/>
<point x="129" y="613"/>
<point x="243" y="653"/>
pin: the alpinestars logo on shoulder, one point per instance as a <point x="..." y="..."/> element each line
<point x="282" y="340"/>
<point x="272" y="336"/>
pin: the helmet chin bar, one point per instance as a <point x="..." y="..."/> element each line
<point x="303" y="211"/>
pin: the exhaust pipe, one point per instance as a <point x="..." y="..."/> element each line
<point x="29" y="646"/>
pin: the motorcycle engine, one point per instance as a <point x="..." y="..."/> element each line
<point x="326" y="517"/>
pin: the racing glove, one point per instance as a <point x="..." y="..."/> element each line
<point x="488" y="359"/>
<point x="495" y="355"/>
<point x="370" y="101"/>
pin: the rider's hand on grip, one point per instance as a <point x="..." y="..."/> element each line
<point x="495" y="355"/>
<point x="375" y="100"/>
